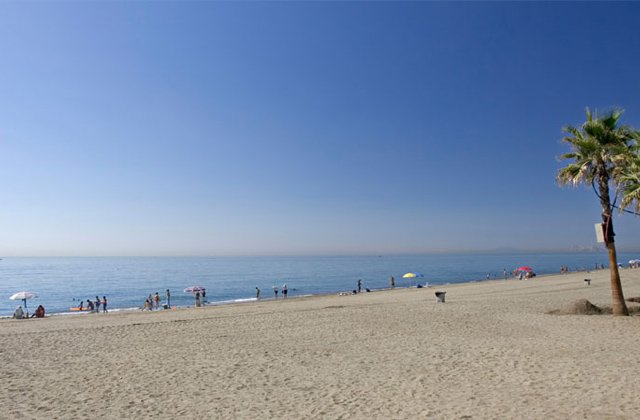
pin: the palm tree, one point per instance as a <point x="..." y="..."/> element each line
<point x="599" y="148"/>
<point x="629" y="178"/>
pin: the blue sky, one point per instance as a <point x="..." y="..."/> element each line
<point x="303" y="128"/>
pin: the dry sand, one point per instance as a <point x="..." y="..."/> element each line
<point x="490" y="351"/>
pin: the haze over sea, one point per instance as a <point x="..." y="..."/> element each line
<point x="61" y="282"/>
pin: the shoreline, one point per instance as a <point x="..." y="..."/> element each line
<point x="428" y="285"/>
<point x="62" y="282"/>
<point x="490" y="351"/>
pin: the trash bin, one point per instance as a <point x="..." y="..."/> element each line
<point x="440" y="297"/>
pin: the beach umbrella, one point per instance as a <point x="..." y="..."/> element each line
<point x="194" y="289"/>
<point x="23" y="296"/>
<point x="412" y="276"/>
<point x="524" y="268"/>
<point x="634" y="261"/>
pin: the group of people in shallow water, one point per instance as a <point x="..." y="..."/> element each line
<point x="284" y="290"/>
<point x="153" y="301"/>
<point x="94" y="306"/>
<point x="201" y="298"/>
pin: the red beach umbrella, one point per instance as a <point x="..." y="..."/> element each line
<point x="524" y="268"/>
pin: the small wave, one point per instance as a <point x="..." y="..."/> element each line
<point x="125" y="309"/>
<point x="68" y="313"/>
<point x="227" y="302"/>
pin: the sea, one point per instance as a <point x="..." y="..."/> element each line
<point x="60" y="283"/>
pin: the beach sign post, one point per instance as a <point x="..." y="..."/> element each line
<point x="599" y="233"/>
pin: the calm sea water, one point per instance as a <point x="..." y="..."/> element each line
<point x="61" y="282"/>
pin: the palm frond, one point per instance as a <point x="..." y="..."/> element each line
<point x="572" y="130"/>
<point x="575" y="174"/>
<point x="631" y="195"/>
<point x="599" y="145"/>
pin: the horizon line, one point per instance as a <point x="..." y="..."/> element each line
<point x="329" y="255"/>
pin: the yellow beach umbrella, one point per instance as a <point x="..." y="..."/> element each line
<point x="412" y="276"/>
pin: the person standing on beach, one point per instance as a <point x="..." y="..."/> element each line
<point x="257" y="293"/>
<point x="156" y="299"/>
<point x="359" y="285"/>
<point x="150" y="299"/>
<point x="168" y="298"/>
<point x="504" y="271"/>
<point x="284" y="291"/>
<point x="198" y="304"/>
<point x="97" y="304"/>
<point x="275" y="291"/>
<point x="204" y="295"/>
<point x="392" y="282"/>
<point x="104" y="304"/>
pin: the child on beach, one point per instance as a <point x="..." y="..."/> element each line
<point x="104" y="304"/>
<point x="156" y="299"/>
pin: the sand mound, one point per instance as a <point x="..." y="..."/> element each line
<point x="580" y="307"/>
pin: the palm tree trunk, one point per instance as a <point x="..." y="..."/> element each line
<point x="617" y="298"/>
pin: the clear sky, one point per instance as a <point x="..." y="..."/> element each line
<point x="303" y="128"/>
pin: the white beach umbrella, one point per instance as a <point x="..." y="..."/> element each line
<point x="194" y="289"/>
<point x="23" y="296"/>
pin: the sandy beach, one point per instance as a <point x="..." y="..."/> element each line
<point x="490" y="351"/>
